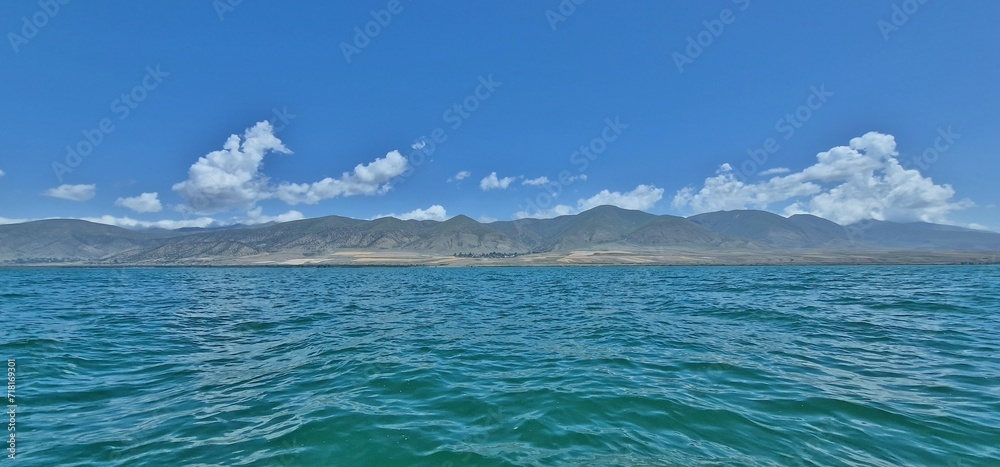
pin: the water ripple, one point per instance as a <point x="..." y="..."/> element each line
<point x="508" y="366"/>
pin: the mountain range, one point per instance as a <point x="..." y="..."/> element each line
<point x="605" y="232"/>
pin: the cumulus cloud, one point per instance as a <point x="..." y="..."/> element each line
<point x="72" y="192"/>
<point x="492" y="182"/>
<point x="725" y="192"/>
<point x="231" y="178"/>
<point x="146" y="202"/>
<point x="462" y="175"/>
<point x="365" y="179"/>
<point x="536" y="181"/>
<point x="642" y="198"/>
<point x="433" y="213"/>
<point x="847" y="184"/>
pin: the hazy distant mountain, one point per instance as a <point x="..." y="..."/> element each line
<point x="66" y="240"/>
<point x="604" y="227"/>
<point x="921" y="236"/>
<point x="798" y="231"/>
<point x="611" y="225"/>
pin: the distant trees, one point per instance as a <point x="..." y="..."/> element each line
<point x="492" y="254"/>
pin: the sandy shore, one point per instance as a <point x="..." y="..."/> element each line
<point x="606" y="257"/>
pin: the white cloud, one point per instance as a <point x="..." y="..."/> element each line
<point x="462" y="175"/>
<point x="774" y="171"/>
<point x="554" y="211"/>
<point x="491" y="182"/>
<point x="72" y="192"/>
<point x="129" y="223"/>
<point x="365" y="179"/>
<point x="642" y="198"/>
<point x="433" y="213"/>
<point x="487" y="219"/>
<point x="2" y="173"/>
<point x="255" y="216"/>
<point x="976" y="226"/>
<point x="725" y="192"/>
<point x="847" y="184"/>
<point x="536" y="181"/>
<point x="564" y="179"/>
<point x="232" y="179"/>
<point x="146" y="202"/>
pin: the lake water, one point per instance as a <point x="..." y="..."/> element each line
<point x="505" y="366"/>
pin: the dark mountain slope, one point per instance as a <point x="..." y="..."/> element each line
<point x="678" y="231"/>
<point x="66" y="240"/>
<point x="602" y="224"/>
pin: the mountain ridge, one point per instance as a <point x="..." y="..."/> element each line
<point x="756" y="233"/>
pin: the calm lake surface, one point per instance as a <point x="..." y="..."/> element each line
<point x="505" y="366"/>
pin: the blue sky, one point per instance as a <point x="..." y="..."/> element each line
<point x="896" y="97"/>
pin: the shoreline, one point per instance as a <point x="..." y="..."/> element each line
<point x="575" y="258"/>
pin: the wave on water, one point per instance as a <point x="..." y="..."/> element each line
<point x="508" y="366"/>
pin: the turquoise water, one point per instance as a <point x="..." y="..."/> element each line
<point x="505" y="366"/>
